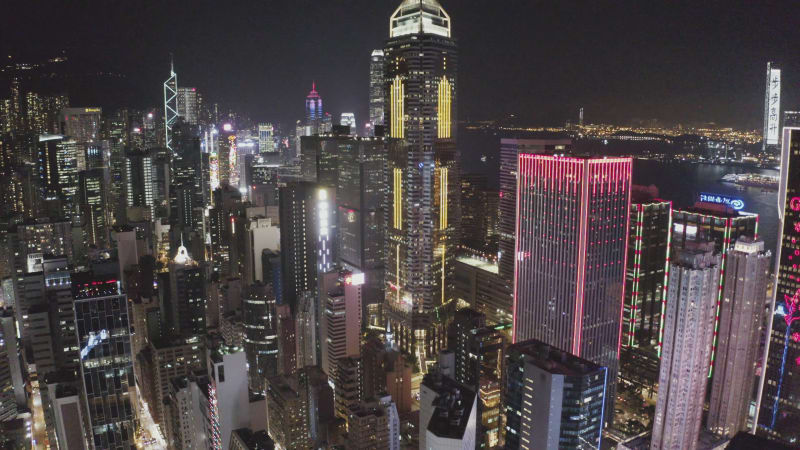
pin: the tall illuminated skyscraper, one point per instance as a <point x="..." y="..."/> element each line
<point x="649" y="241"/>
<point x="509" y="152"/>
<point x="188" y="103"/>
<point x="306" y="227"/>
<point x="93" y="201"/>
<point x="572" y="236"/>
<point x="778" y="410"/>
<point x="423" y="187"/>
<point x="106" y="362"/>
<point x="648" y="253"/>
<point x="688" y="330"/>
<point x="741" y="318"/>
<point x="376" y="81"/>
<point x="266" y="139"/>
<point x="719" y="224"/>
<point x="314" y="109"/>
<point x="170" y="105"/>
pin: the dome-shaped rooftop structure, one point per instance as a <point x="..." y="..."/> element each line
<point x="419" y="16"/>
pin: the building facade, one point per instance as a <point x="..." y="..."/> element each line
<point x="572" y="236"/>
<point x="688" y="334"/>
<point x="509" y="154"/>
<point x="553" y="399"/>
<point x="376" y="95"/>
<point x="106" y="363"/>
<point x="421" y="63"/>
<point x="778" y="410"/>
<point x="741" y="317"/>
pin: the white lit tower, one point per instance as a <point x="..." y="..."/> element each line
<point x="376" y="80"/>
<point x="423" y="182"/>
<point x="170" y="105"/>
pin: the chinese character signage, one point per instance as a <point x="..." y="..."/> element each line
<point x="773" y="110"/>
<point x="731" y="202"/>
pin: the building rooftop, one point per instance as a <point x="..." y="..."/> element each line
<point x="453" y="408"/>
<point x="553" y="360"/>
<point x="479" y="263"/>
<point x="419" y="16"/>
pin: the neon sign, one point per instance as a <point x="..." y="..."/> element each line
<point x="794" y="203"/>
<point x="790" y="307"/>
<point x="732" y="202"/>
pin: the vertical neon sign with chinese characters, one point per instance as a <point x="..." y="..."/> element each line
<point x="772" y="107"/>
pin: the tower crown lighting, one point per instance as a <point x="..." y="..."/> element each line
<point x="419" y="16"/>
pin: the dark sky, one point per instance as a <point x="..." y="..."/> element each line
<point x="679" y="61"/>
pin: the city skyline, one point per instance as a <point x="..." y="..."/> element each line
<point x="217" y="259"/>
<point x="653" y="72"/>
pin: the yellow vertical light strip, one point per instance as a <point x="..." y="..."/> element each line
<point x="397" y="272"/>
<point x="443" y="178"/>
<point x="398" y="199"/>
<point x="396" y="98"/>
<point x="444" y="247"/>
<point x="444" y="108"/>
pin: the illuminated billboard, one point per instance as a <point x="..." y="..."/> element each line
<point x="732" y="202"/>
<point x="772" y="108"/>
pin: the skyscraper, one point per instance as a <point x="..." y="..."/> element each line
<point x="348" y="119"/>
<point x="341" y="324"/>
<point x="688" y="331"/>
<point x="474" y="211"/>
<point x="260" y="335"/>
<point x="93" y="201"/>
<point x="81" y="124"/>
<point x="188" y="104"/>
<point x="649" y="241"/>
<point x="478" y="353"/>
<point x="106" y="363"/>
<point x="305" y="238"/>
<point x="376" y="82"/>
<point x="553" y="399"/>
<point x="741" y="317"/>
<point x="719" y="224"/>
<point x="778" y="410"/>
<point x="58" y="174"/>
<point x="171" y="110"/>
<point x="354" y="166"/>
<point x="421" y="63"/>
<point x="572" y="237"/>
<point x="184" y="303"/>
<point x="509" y="154"/>
<point x="266" y="140"/>
<point x="648" y="253"/>
<point x="314" y="114"/>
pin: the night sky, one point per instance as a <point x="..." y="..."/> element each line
<point x="678" y="61"/>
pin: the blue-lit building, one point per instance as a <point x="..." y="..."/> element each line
<point x="554" y="399"/>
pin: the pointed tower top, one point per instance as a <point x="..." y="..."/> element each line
<point x="182" y="256"/>
<point x="419" y="16"/>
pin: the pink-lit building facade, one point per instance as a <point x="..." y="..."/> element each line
<point x="572" y="233"/>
